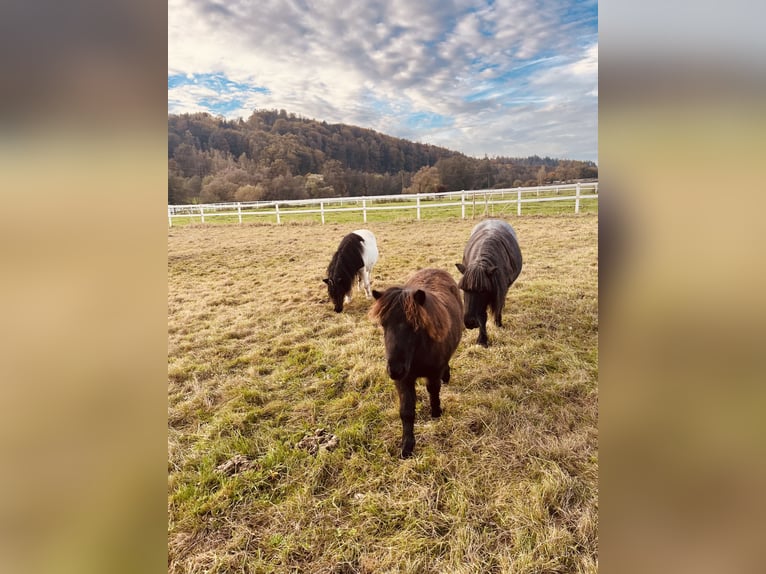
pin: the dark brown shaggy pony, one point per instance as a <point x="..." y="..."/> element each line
<point x="491" y="263"/>
<point x="422" y="325"/>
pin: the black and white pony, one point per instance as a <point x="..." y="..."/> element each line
<point x="491" y="263"/>
<point x="354" y="259"/>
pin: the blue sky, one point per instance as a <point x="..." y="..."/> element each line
<point x="501" y="78"/>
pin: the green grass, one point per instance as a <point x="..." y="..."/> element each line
<point x="430" y="209"/>
<point x="505" y="481"/>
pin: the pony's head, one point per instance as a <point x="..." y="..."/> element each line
<point x="480" y="289"/>
<point x="337" y="288"/>
<point x="410" y="318"/>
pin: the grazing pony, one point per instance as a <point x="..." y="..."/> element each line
<point x="356" y="255"/>
<point x="491" y="263"/>
<point x="422" y="327"/>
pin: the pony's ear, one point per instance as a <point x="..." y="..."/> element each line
<point x="377" y="294"/>
<point x="460" y="267"/>
<point x="420" y="296"/>
<point x="326" y="280"/>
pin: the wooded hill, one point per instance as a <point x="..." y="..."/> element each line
<point x="276" y="155"/>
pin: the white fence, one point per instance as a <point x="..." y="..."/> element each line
<point x="486" y="199"/>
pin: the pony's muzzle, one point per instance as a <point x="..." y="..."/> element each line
<point x="396" y="371"/>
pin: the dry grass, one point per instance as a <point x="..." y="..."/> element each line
<point x="505" y="481"/>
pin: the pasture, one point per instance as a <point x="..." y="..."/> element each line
<point x="499" y="203"/>
<point x="283" y="426"/>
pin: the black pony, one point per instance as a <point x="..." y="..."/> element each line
<point x="355" y="257"/>
<point x="491" y="263"/>
<point x="422" y="328"/>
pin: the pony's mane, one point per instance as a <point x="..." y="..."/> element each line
<point x="347" y="260"/>
<point x="433" y="316"/>
<point x="478" y="278"/>
<point x="494" y="251"/>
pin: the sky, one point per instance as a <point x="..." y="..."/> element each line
<point x="508" y="78"/>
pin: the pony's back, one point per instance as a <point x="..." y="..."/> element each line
<point x="493" y="243"/>
<point x="369" y="247"/>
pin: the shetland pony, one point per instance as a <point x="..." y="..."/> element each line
<point x="354" y="258"/>
<point x="422" y="326"/>
<point x="491" y="263"/>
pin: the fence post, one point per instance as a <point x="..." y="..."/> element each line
<point x="202" y="213"/>
<point x="577" y="198"/>
<point x="239" y="212"/>
<point x="486" y="205"/>
<point x="364" y="209"/>
<point x="417" y="202"/>
<point x="170" y="219"/>
<point x="518" y="201"/>
<point x="321" y="210"/>
<point x="276" y="205"/>
<point x="462" y="205"/>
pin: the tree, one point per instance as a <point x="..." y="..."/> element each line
<point x="250" y="193"/>
<point x="190" y="161"/>
<point x="541" y="175"/>
<point x="426" y="180"/>
<point x="456" y="172"/>
<point x="273" y="147"/>
<point x="193" y="189"/>
<point x="287" y="187"/>
<point x="334" y="175"/>
<point x="317" y="187"/>
<point x="176" y="194"/>
<point x="216" y="189"/>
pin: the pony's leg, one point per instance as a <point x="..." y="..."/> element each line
<point x="483" y="340"/>
<point x="499" y="316"/>
<point x="360" y="281"/>
<point x="434" y="385"/>
<point x="369" y="281"/>
<point x="367" y="290"/>
<point x="446" y="375"/>
<point x="406" y="390"/>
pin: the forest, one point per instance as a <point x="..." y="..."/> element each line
<point x="278" y="155"/>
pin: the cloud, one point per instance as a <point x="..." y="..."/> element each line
<point x="476" y="76"/>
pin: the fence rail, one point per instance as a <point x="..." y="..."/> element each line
<point x="486" y="198"/>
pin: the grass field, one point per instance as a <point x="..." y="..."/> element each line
<point x="505" y="481"/>
<point x="404" y="211"/>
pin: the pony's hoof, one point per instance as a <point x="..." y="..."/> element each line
<point x="437" y="414"/>
<point x="407" y="448"/>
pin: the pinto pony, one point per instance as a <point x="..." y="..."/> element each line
<point x="355" y="257"/>
<point x="422" y="325"/>
<point x="491" y="263"/>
